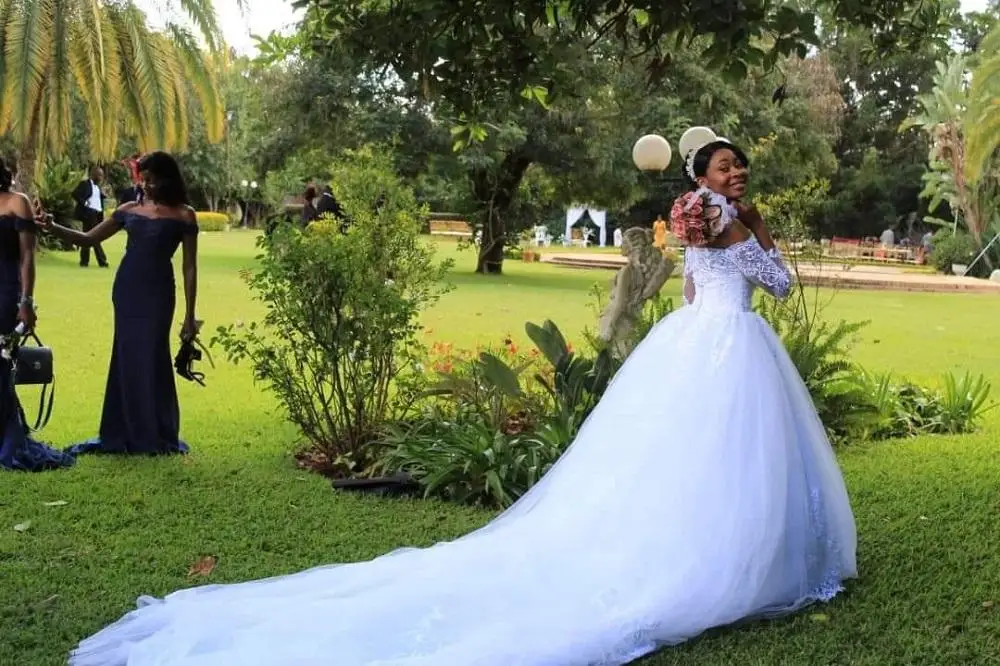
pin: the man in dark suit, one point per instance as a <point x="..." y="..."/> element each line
<point x="328" y="205"/>
<point x="90" y="212"/>
<point x="132" y="193"/>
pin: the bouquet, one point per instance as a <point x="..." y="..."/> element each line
<point x="697" y="218"/>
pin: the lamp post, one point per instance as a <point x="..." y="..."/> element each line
<point x="249" y="188"/>
<point x="652" y="155"/>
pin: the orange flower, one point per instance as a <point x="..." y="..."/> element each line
<point x="512" y="349"/>
<point x="569" y="347"/>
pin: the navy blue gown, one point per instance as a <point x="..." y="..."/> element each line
<point x="18" y="451"/>
<point x="141" y="413"/>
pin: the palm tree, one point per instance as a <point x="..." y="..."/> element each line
<point x="131" y="79"/>
<point x="944" y="117"/>
<point x="984" y="109"/>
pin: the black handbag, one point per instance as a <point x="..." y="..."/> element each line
<point x="33" y="366"/>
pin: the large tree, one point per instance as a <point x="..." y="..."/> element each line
<point x="131" y="78"/>
<point x="509" y="76"/>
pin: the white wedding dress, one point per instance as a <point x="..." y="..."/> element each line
<point x="700" y="492"/>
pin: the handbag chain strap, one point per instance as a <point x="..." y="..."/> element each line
<point x="45" y="401"/>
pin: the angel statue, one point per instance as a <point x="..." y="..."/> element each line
<point x="641" y="279"/>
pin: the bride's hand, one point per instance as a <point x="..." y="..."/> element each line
<point x="749" y="216"/>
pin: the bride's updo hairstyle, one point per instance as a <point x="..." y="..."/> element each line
<point x="696" y="166"/>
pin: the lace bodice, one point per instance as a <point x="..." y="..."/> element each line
<point x="724" y="279"/>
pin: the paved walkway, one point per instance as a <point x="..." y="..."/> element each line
<point x="828" y="275"/>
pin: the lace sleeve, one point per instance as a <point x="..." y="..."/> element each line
<point x="764" y="269"/>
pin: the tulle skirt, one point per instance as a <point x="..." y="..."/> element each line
<point x="701" y="491"/>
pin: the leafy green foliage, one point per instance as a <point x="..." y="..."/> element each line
<point x="576" y="383"/>
<point x="487" y="431"/>
<point x="131" y="77"/>
<point x="491" y="389"/>
<point x="821" y="354"/>
<point x="952" y="248"/>
<point x="510" y="49"/>
<point x="342" y="311"/>
<point x="208" y="221"/>
<point x="462" y="458"/>
<point x="54" y="189"/>
<point x="909" y="410"/>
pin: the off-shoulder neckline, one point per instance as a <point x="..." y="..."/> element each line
<point x="154" y="217"/>
<point x="749" y="239"/>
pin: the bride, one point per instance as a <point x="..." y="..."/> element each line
<point x="702" y="491"/>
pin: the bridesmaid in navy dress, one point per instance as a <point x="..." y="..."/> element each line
<point x="141" y="413"/>
<point x="17" y="287"/>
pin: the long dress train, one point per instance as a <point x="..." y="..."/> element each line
<point x="141" y="414"/>
<point x="18" y="450"/>
<point x="700" y="492"/>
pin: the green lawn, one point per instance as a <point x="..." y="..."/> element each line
<point x="928" y="510"/>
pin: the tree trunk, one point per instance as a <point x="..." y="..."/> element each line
<point x="27" y="163"/>
<point x="494" y="192"/>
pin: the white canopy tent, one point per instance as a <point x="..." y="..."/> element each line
<point x="599" y="217"/>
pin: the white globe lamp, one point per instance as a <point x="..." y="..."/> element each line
<point x="694" y="139"/>
<point x="652" y="153"/>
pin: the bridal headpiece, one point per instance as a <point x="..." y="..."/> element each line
<point x="691" y="142"/>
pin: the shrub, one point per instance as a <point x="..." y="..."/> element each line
<point x="342" y="310"/>
<point x="958" y="248"/>
<point x="820" y="351"/>
<point x="208" y="221"/>
<point x="907" y="410"/>
<point x="463" y="458"/>
<point x="491" y="427"/>
<point x="55" y="192"/>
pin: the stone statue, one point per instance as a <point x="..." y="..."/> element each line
<point x="641" y="279"/>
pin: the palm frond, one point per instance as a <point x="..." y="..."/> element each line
<point x="202" y="14"/>
<point x="202" y="78"/>
<point x="983" y="129"/>
<point x="6" y="12"/>
<point x="27" y="53"/>
<point x="59" y="81"/>
<point x="148" y="87"/>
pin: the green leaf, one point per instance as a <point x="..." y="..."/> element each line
<point x="549" y="341"/>
<point x="500" y="375"/>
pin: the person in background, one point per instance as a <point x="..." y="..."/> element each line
<point x="130" y="194"/>
<point x="90" y="211"/>
<point x="309" y="212"/>
<point x="134" y="191"/>
<point x="141" y="412"/>
<point x="888" y="238"/>
<point x="18" y="451"/>
<point x="660" y="233"/>
<point x="328" y="204"/>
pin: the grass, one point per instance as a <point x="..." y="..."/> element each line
<point x="926" y="508"/>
